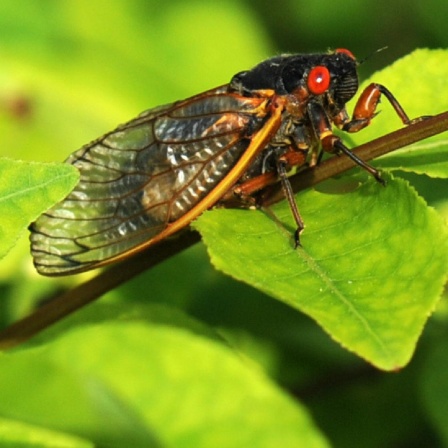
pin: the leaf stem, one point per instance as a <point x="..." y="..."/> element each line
<point x="85" y="293"/>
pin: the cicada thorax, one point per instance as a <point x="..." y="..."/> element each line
<point x="313" y="90"/>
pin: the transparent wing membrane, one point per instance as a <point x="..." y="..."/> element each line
<point x="141" y="177"/>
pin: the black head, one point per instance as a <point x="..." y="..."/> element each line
<point x="286" y="74"/>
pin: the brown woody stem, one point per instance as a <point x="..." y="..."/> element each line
<point x="81" y="295"/>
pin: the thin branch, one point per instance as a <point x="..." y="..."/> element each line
<point x="118" y="274"/>
<point x="85" y="293"/>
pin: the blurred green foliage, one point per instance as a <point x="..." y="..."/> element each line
<point x="72" y="70"/>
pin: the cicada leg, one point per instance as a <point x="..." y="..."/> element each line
<point x="289" y="159"/>
<point x="282" y="171"/>
<point x="365" y="109"/>
<point x="244" y="194"/>
<point x="363" y="113"/>
<point x="332" y="143"/>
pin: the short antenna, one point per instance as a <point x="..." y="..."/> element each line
<point x="371" y="54"/>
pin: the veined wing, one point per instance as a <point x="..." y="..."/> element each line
<point x="140" y="178"/>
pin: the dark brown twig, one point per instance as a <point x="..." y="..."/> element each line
<point x="118" y="274"/>
<point x="81" y="295"/>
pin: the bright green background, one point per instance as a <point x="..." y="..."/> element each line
<point x="71" y="70"/>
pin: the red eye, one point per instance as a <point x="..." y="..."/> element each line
<point x="345" y="51"/>
<point x="318" y="80"/>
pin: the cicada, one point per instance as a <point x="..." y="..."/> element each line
<point x="153" y="175"/>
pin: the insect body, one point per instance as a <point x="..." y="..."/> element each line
<point x="152" y="176"/>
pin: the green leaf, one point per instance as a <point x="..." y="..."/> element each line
<point x="27" y="190"/>
<point x="130" y="377"/>
<point x="428" y="158"/>
<point x="418" y="83"/>
<point x="18" y="434"/>
<point x="359" y="271"/>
